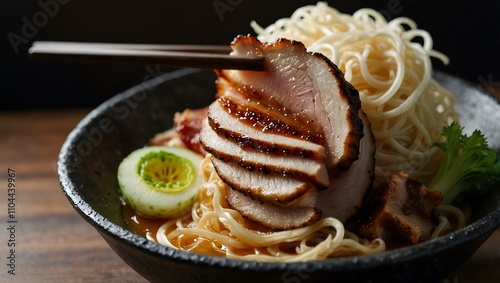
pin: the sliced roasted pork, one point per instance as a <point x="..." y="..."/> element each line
<point x="253" y="160"/>
<point x="308" y="87"/>
<point x="185" y="132"/>
<point x="400" y="208"/>
<point x="279" y="137"/>
<point x="188" y="125"/>
<point x="275" y="189"/>
<point x="264" y="115"/>
<point x="271" y="216"/>
<point x="345" y="194"/>
<point x="230" y="119"/>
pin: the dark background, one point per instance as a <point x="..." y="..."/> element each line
<point x="467" y="31"/>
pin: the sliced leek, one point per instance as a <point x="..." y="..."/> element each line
<point x="160" y="181"/>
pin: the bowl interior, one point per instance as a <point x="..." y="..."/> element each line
<point x="90" y="156"/>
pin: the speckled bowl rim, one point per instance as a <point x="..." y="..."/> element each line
<point x="481" y="227"/>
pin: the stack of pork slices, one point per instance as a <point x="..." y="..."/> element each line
<point x="291" y="142"/>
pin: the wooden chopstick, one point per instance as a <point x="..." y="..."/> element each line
<point x="191" y="56"/>
<point x="222" y="49"/>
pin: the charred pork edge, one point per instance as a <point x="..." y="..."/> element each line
<point x="369" y="186"/>
<point x="265" y="168"/>
<point x="351" y="95"/>
<point x="262" y="145"/>
<point x="295" y="127"/>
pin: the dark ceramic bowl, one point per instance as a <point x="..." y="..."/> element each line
<point x="92" y="152"/>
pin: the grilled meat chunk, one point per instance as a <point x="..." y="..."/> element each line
<point x="400" y="208"/>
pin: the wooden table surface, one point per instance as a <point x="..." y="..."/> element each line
<point x="54" y="244"/>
